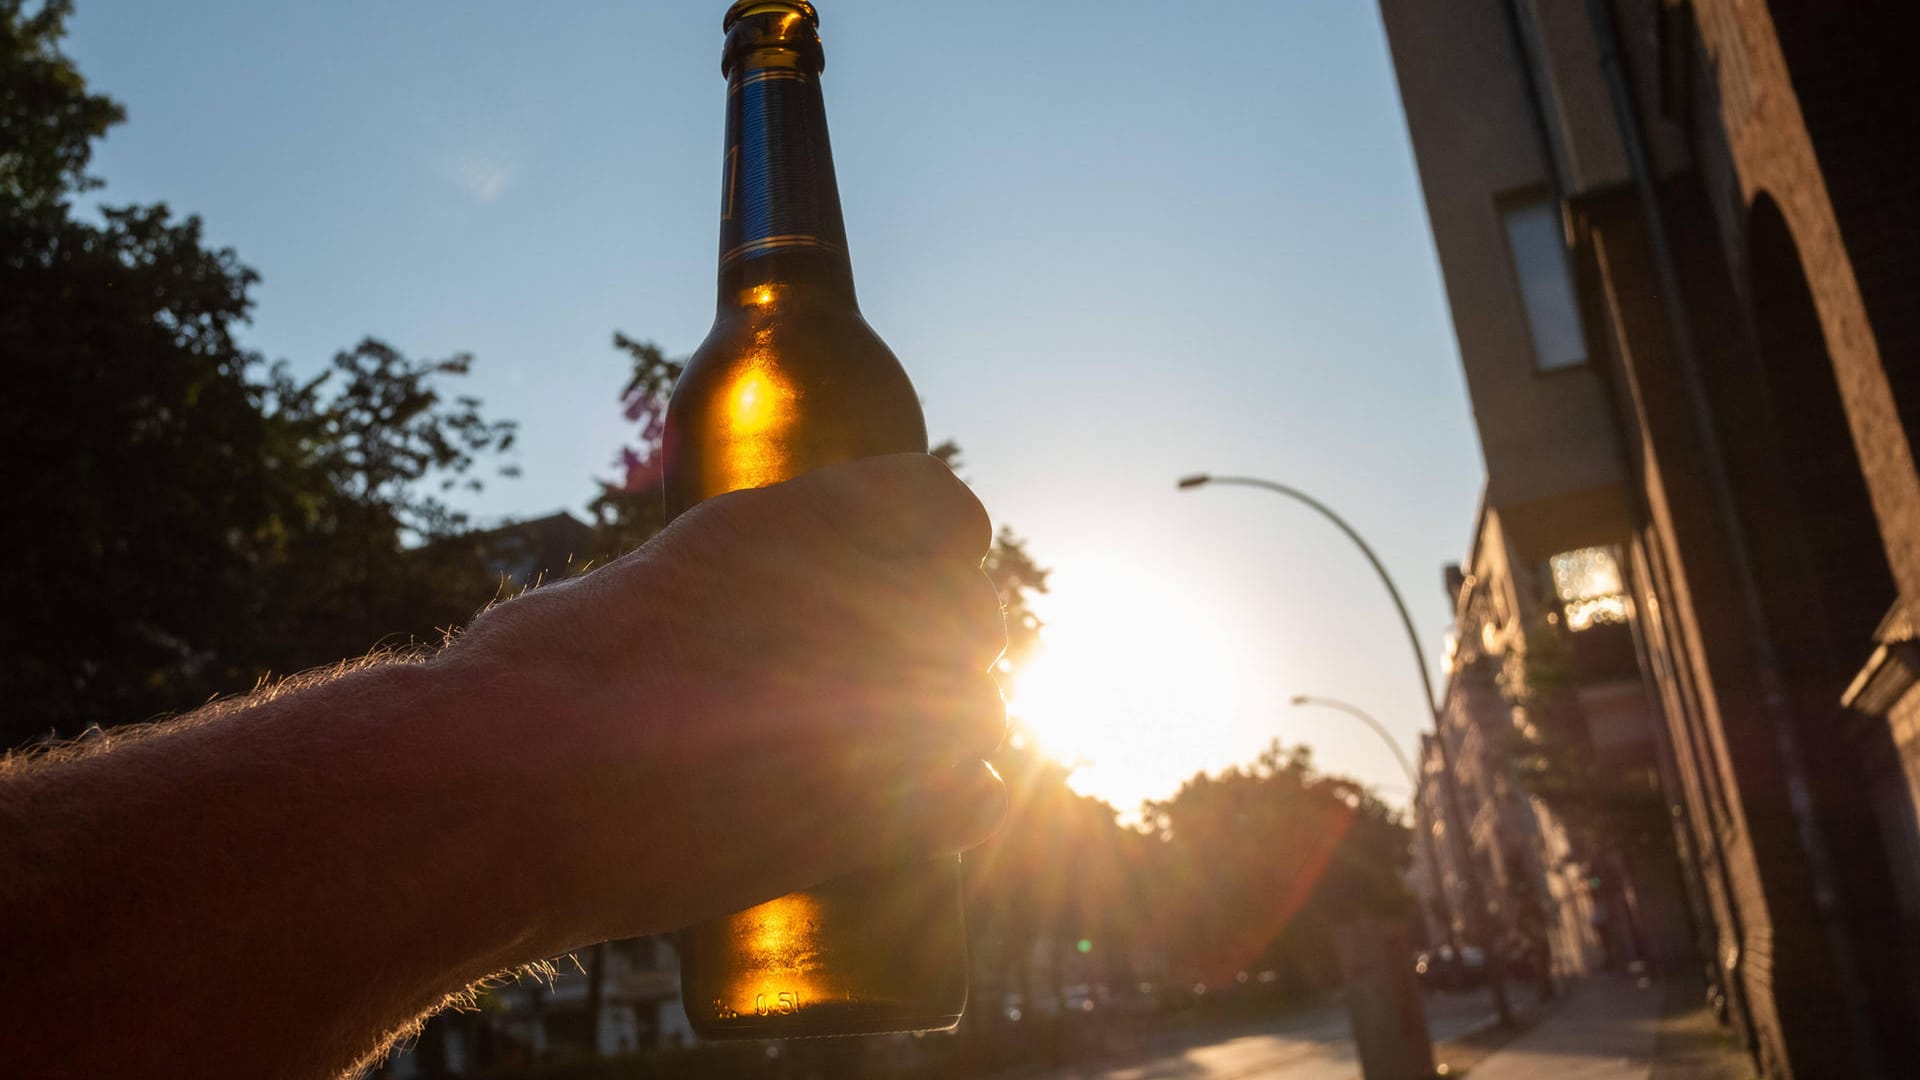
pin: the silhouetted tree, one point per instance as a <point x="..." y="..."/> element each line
<point x="48" y="120"/>
<point x="361" y="546"/>
<point x="174" y="516"/>
<point x="1259" y="862"/>
<point x="1059" y="871"/>
<point x="632" y="507"/>
<point x="133" y="442"/>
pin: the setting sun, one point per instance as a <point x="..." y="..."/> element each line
<point x="1128" y="663"/>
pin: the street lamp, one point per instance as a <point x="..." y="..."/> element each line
<point x="1366" y="718"/>
<point x="1449" y="786"/>
<point x="1413" y="777"/>
<point x="1188" y="483"/>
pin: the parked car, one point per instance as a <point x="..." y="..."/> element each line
<point x="1443" y="969"/>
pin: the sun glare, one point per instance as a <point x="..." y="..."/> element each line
<point x="1129" y="668"/>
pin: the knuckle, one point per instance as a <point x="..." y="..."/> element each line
<point x="993" y="728"/>
<point x="989" y="620"/>
<point x="975" y="526"/>
<point x="960" y="508"/>
<point x="980" y="721"/>
<point x="957" y="613"/>
<point x="971" y="593"/>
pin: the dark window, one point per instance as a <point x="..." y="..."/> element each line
<point x="1545" y="280"/>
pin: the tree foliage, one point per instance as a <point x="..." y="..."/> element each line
<point x="356" y="550"/>
<point x="186" y="520"/>
<point x="1258" y="863"/>
<point x="1242" y="871"/>
<point x="1061" y="869"/>
<point x="1602" y="803"/>
<point x="384" y="440"/>
<point x="632" y="507"/>
<point x="48" y="120"/>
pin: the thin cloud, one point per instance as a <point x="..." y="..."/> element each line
<point x="483" y="181"/>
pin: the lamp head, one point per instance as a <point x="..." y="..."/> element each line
<point x="1299" y="699"/>
<point x="1187" y="483"/>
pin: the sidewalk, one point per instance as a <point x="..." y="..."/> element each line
<point x="1616" y="1027"/>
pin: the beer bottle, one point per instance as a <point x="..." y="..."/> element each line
<point x="791" y="378"/>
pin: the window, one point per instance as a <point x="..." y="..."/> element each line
<point x="1545" y="280"/>
<point x="1587" y="584"/>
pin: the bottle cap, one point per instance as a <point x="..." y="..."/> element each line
<point x="790" y="27"/>
<point x="743" y="8"/>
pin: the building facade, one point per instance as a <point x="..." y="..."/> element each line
<point x="1679" y="242"/>
<point x="1553" y="744"/>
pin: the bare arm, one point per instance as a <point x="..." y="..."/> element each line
<point x="275" y="886"/>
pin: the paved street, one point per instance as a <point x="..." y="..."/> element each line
<point x="1604" y="1028"/>
<point x="1312" y="1045"/>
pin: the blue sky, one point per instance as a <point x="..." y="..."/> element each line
<point x="1113" y="242"/>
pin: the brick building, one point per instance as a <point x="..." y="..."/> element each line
<point x="1681" y="242"/>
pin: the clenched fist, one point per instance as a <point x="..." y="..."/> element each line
<point x="787" y="684"/>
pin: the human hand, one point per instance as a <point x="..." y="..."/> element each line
<point x="787" y="684"/>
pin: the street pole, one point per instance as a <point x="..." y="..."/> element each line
<point x="1413" y="778"/>
<point x="1393" y="744"/>
<point x="1449" y="786"/>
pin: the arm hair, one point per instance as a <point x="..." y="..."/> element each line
<point x="242" y="887"/>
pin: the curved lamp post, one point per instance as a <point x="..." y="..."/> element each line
<point x="1449" y="788"/>
<point x="1393" y="744"/>
<point x="1188" y="483"/>
<point x="1413" y="777"/>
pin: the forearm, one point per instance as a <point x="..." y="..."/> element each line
<point x="281" y="881"/>
<point x="267" y="889"/>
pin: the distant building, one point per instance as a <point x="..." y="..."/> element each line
<point x="532" y="1021"/>
<point x="1536" y="889"/>
<point x="1572" y="896"/>
<point x="524" y="553"/>
<point x="636" y="1004"/>
<point x="1679" y="242"/>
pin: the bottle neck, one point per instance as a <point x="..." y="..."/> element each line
<point x="780" y="220"/>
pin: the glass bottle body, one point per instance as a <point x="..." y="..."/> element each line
<point x="791" y="378"/>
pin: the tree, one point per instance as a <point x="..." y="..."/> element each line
<point x="1259" y="862"/>
<point x="175" y="515"/>
<point x="1614" y="811"/>
<point x="48" y="121"/>
<point x="632" y="508"/>
<point x="133" y="440"/>
<point x="360" y="545"/>
<point x="1061" y="870"/>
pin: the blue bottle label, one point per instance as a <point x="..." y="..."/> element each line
<point x="779" y="186"/>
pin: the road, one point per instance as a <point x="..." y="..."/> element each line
<point x="1311" y="1045"/>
